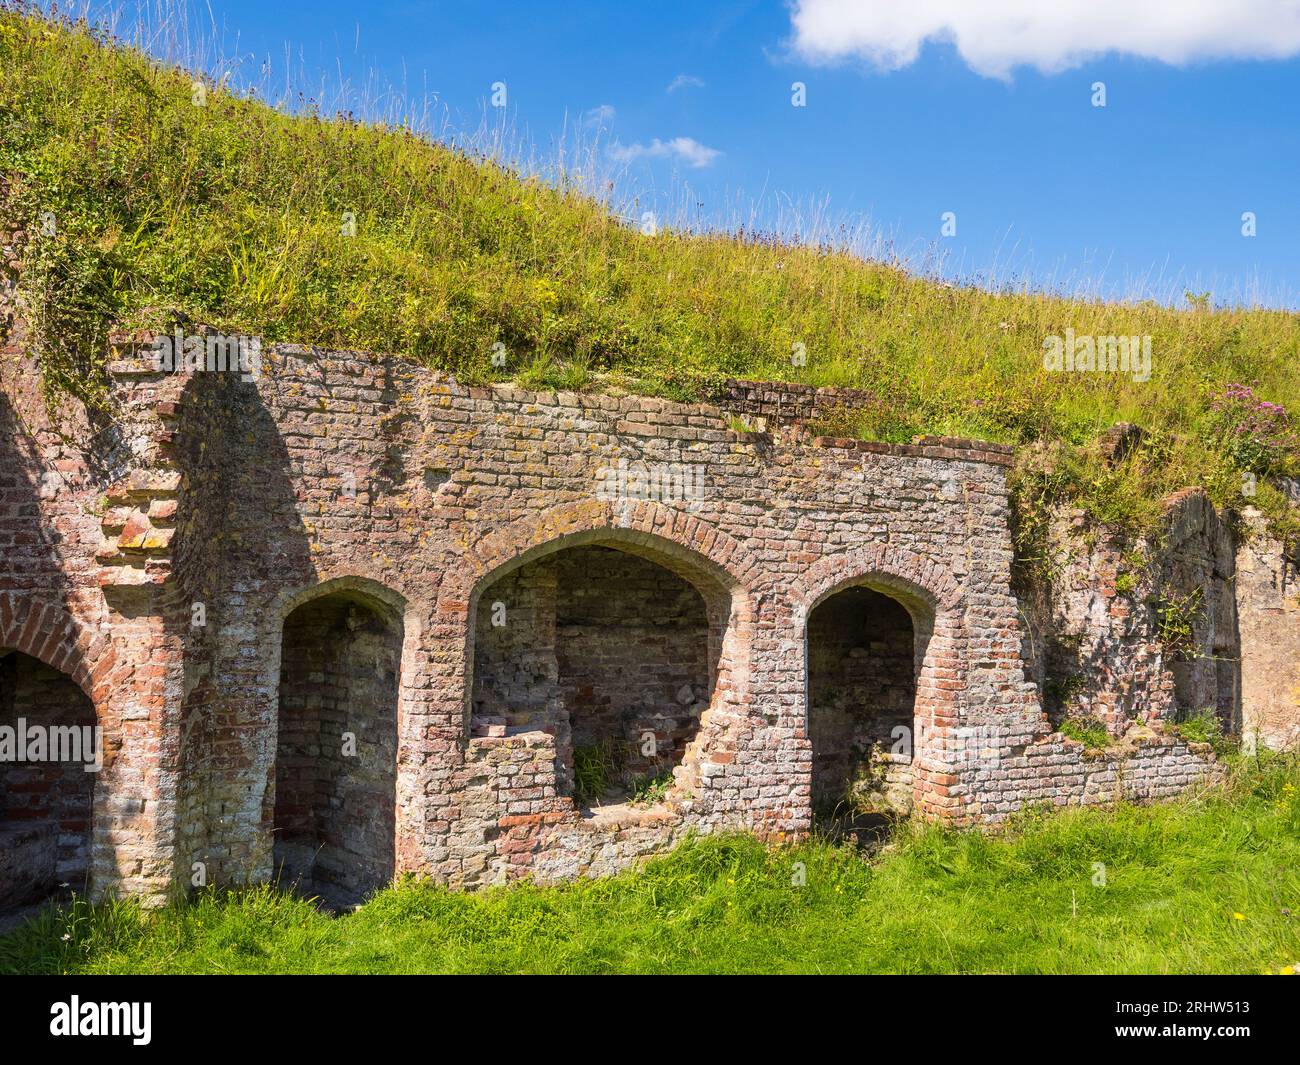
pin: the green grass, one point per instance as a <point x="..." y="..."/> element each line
<point x="1207" y="884"/>
<point x="1204" y="726"/>
<point x="652" y="789"/>
<point x="597" y="768"/>
<point x="232" y="214"/>
<point x="1087" y="730"/>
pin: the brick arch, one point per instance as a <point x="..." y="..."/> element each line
<point x="719" y="567"/>
<point x="48" y="633"/>
<point x="933" y="598"/>
<point x="918" y="583"/>
<point x="375" y="594"/>
<point x="662" y="534"/>
<point x="387" y="602"/>
<point x="401" y="619"/>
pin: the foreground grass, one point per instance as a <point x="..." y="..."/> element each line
<point x="1209" y="884"/>
<point x="142" y="207"/>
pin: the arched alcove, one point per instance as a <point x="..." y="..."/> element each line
<point x="336" y="744"/>
<point x="615" y="647"/>
<point x="50" y="757"/>
<point x="876" y="716"/>
<point x="863" y="661"/>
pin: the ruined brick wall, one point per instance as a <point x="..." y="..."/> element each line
<point x="424" y="501"/>
<point x="1133" y="633"/>
<point x="456" y="489"/>
<point x="57" y="506"/>
<point x="770" y="404"/>
<point x="1060" y="772"/>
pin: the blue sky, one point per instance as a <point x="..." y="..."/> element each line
<point x="1145" y="194"/>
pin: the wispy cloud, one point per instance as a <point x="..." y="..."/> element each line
<point x="602" y="115"/>
<point x="687" y="149"/>
<point x="685" y="81"/>
<point x="995" y="36"/>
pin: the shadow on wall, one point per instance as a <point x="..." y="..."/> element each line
<point x="32" y="560"/>
<point x="1196" y="612"/>
<point x="240" y="537"/>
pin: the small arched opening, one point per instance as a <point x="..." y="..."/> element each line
<point x="336" y="746"/>
<point x="50" y="757"/>
<point x="864" y="654"/>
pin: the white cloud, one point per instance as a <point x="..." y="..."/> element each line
<point x="602" y="115"/>
<point x="685" y="81"/>
<point x="995" y="36"/>
<point x="687" y="149"/>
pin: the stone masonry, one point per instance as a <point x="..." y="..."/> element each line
<point x="351" y="619"/>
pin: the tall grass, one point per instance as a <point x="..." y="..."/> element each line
<point x="233" y="213"/>
<point x="1207" y="884"/>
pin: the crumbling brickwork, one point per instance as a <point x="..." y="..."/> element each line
<point x="1139" y="633"/>
<point x="1267" y="586"/>
<point x="283" y="557"/>
<point x="58" y="489"/>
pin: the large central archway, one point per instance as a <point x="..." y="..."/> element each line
<point x="613" y="653"/>
<point x="512" y="676"/>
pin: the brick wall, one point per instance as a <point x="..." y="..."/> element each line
<point x="632" y="644"/>
<point x="778" y="403"/>
<point x="1095" y="635"/>
<point x="58" y="494"/>
<point x="427" y="501"/>
<point x="1267" y="586"/>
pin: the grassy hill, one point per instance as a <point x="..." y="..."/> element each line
<point x="1207" y="884"/>
<point x="144" y="202"/>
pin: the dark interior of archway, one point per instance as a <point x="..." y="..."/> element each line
<point x="606" y="650"/>
<point x="336" y="749"/>
<point x="46" y="792"/>
<point x="861" y="693"/>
